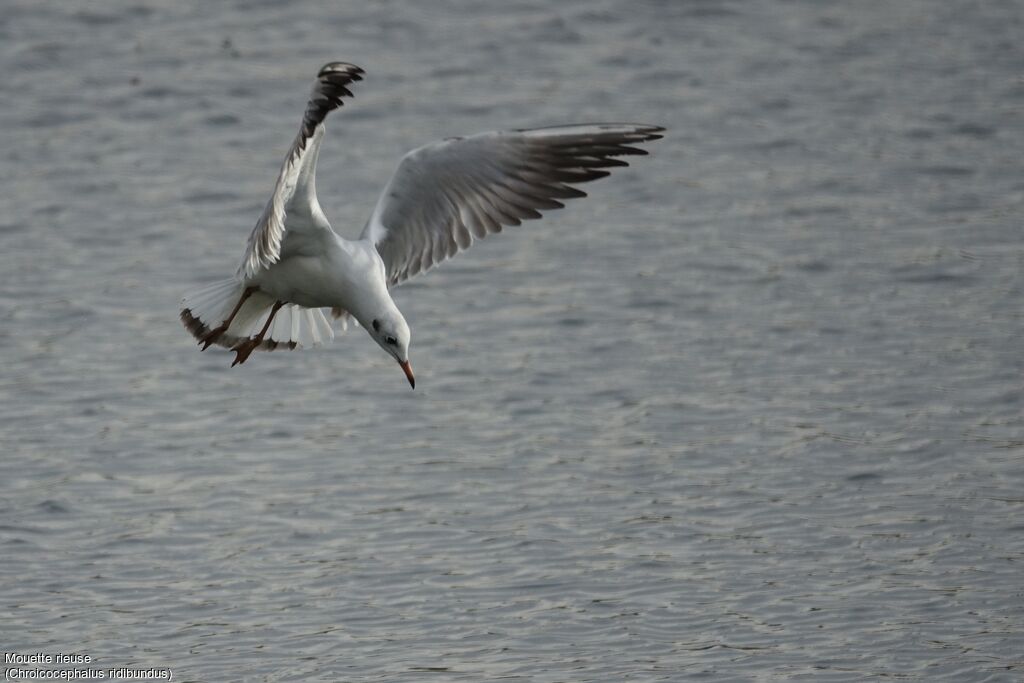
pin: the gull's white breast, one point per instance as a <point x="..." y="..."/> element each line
<point x="339" y="273"/>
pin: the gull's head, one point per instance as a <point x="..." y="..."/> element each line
<point x="391" y="333"/>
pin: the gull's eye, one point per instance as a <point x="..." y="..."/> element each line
<point x="391" y="340"/>
<point x="376" y="325"/>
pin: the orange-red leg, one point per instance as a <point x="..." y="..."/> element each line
<point x="243" y="348"/>
<point x="213" y="335"/>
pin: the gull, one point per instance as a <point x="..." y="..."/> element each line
<point x="442" y="197"/>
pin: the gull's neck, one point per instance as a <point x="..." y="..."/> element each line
<point x="363" y="273"/>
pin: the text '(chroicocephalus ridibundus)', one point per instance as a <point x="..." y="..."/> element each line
<point x="441" y="198"/>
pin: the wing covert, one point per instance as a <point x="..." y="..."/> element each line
<point x="446" y="195"/>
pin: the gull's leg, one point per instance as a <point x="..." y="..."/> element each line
<point x="243" y="348"/>
<point x="213" y="335"/>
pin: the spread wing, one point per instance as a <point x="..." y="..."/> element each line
<point x="295" y="191"/>
<point x="447" y="194"/>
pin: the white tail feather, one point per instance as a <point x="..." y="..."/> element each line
<point x="293" y="326"/>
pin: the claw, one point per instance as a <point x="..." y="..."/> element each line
<point x="243" y="350"/>
<point x="211" y="337"/>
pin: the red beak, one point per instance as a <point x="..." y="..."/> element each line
<point x="407" y="369"/>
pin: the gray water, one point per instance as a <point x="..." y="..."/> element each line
<point x="751" y="412"/>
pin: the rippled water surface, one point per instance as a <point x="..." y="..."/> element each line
<point x="753" y="411"/>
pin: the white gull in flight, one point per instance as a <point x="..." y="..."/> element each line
<point x="442" y="198"/>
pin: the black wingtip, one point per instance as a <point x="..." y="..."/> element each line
<point x="328" y="93"/>
<point x="350" y="71"/>
<point x="647" y="132"/>
<point x="654" y="134"/>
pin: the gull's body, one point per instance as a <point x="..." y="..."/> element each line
<point x="345" y="274"/>
<point x="442" y="197"/>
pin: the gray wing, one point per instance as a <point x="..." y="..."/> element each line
<point x="445" y="195"/>
<point x="295" y="192"/>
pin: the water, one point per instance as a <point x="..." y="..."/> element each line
<point x="751" y="412"/>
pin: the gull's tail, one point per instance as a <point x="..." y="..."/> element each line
<point x="293" y="327"/>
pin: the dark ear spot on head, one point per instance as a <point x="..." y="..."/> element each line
<point x="376" y="325"/>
